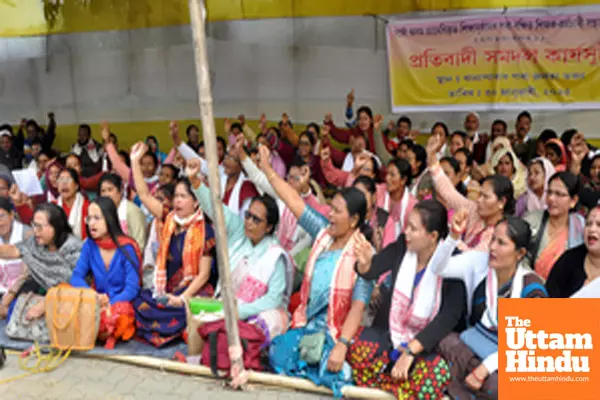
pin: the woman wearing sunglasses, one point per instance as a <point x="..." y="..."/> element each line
<point x="50" y="256"/>
<point x="185" y="257"/>
<point x="261" y="270"/>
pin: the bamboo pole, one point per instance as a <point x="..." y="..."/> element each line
<point x="198" y="18"/>
<point x="260" y="378"/>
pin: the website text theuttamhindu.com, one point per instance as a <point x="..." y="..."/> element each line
<point x="554" y="379"/>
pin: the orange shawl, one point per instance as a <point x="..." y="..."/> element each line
<point x="193" y="248"/>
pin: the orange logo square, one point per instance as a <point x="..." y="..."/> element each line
<point x="549" y="349"/>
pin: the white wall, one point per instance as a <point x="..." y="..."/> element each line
<point x="302" y="66"/>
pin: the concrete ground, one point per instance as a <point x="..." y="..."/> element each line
<point x="89" y="379"/>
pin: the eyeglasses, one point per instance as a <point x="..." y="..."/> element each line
<point x="65" y="179"/>
<point x="256" y="219"/>
<point x="91" y="218"/>
<point x="38" y="227"/>
<point x="296" y="178"/>
<point x="556" y="194"/>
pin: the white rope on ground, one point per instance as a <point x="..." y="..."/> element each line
<point x="263" y="378"/>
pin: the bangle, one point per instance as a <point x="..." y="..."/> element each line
<point x="271" y="175"/>
<point x="476" y="377"/>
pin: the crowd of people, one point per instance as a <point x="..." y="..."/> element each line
<point x="379" y="265"/>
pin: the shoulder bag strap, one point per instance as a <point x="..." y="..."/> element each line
<point x="538" y="239"/>
<point x="212" y="341"/>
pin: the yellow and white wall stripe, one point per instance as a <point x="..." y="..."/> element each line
<point x="131" y="61"/>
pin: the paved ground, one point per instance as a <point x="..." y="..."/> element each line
<point x="85" y="379"/>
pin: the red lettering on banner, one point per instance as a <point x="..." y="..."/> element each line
<point x="573" y="55"/>
<point x="508" y="56"/>
<point x="468" y="55"/>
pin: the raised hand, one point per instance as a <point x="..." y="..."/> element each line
<point x="192" y="168"/>
<point x="412" y="135"/>
<point x="391" y="125"/>
<point x="579" y="148"/>
<point x="304" y="175"/>
<point x="350" y="98"/>
<point x="105" y="131"/>
<point x="15" y="194"/>
<point x="264" y="154"/>
<point x="325" y="132"/>
<point x="325" y="153"/>
<point x="174" y="132"/>
<point x="227" y="124"/>
<point x="239" y="145"/>
<point x="242" y="119"/>
<point x="328" y="118"/>
<point x="378" y="122"/>
<point x="459" y="223"/>
<point x="137" y="151"/>
<point x="262" y="123"/>
<point x="363" y="253"/>
<point x="434" y="144"/>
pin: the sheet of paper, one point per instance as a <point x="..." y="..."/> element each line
<point x="28" y="182"/>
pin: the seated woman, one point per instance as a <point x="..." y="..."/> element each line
<point x="11" y="232"/>
<point x="416" y="312"/>
<point x="50" y="256"/>
<point x="505" y="162"/>
<point x="392" y="197"/>
<point x="261" y="271"/>
<point x="496" y="199"/>
<point x="113" y="260"/>
<point x="579" y="266"/>
<point x="558" y="228"/>
<point x="149" y="162"/>
<point x="164" y="195"/>
<point x="131" y="218"/>
<point x="72" y="201"/>
<point x="88" y="184"/>
<point x="539" y="172"/>
<point x="473" y="355"/>
<point x="332" y="297"/>
<point x="184" y="262"/>
<point x="557" y="154"/>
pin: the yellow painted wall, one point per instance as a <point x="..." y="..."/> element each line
<point x="132" y="132"/>
<point x="26" y="17"/>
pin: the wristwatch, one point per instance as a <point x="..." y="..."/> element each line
<point x="409" y="352"/>
<point x="345" y="341"/>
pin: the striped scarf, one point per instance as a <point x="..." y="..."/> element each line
<point x="340" y="294"/>
<point x="193" y="248"/>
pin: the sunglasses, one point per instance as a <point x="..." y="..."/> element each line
<point x="256" y="219"/>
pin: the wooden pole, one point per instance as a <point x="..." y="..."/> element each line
<point x="261" y="378"/>
<point x="198" y="18"/>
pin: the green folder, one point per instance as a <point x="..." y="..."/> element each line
<point x="198" y="305"/>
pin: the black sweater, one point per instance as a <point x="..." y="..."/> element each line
<point x="568" y="274"/>
<point x="453" y="308"/>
